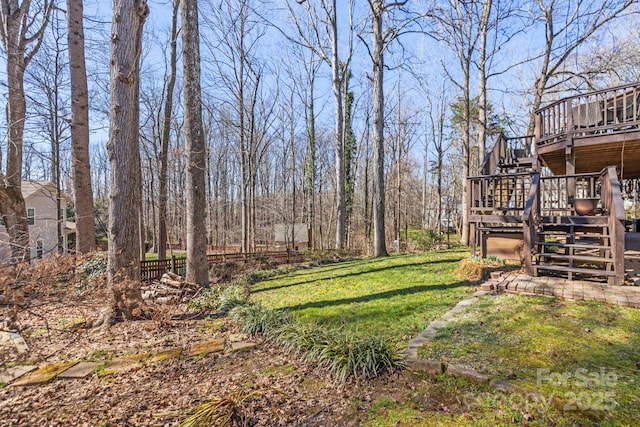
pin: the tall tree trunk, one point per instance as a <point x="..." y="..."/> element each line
<point x="310" y="166"/>
<point x="123" y="269"/>
<point x="466" y="144"/>
<point x="17" y="34"/>
<point x="482" y="81"/>
<point x="379" y="243"/>
<point x="336" y="81"/>
<point x="166" y="133"/>
<point x="80" y="163"/>
<point x="194" y="134"/>
<point x="123" y="147"/>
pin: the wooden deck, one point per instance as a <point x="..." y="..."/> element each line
<point x="586" y="133"/>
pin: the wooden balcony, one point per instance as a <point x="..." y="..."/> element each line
<point x="586" y="133"/>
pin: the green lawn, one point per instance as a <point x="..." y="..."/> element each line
<point x="580" y="359"/>
<point x="585" y="354"/>
<point x="395" y="296"/>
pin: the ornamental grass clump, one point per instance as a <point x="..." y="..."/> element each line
<point x="221" y="412"/>
<point x="254" y="319"/>
<point x="344" y="353"/>
<point x="348" y="354"/>
<point x="232" y="296"/>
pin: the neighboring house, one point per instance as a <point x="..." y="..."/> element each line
<point x="283" y="234"/>
<point x="40" y="198"/>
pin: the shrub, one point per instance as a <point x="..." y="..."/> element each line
<point x="232" y="296"/>
<point x="427" y="240"/>
<point x="208" y="301"/>
<point x="95" y="266"/>
<point x="254" y="319"/>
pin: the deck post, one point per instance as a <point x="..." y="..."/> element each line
<point x="616" y="224"/>
<point x="473" y="237"/>
<point x="531" y="212"/>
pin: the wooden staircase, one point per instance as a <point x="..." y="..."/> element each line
<point x="574" y="245"/>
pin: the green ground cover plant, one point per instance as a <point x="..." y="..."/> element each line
<point x="394" y="297"/>
<point x="581" y="355"/>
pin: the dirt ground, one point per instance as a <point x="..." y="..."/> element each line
<point x="51" y="309"/>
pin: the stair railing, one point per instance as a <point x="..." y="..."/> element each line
<point x="506" y="150"/>
<point x="613" y="207"/>
<point x="530" y="218"/>
<point x="492" y="158"/>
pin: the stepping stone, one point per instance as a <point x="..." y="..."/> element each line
<point x="418" y="342"/>
<point x="44" y="374"/>
<point x="242" y="346"/>
<point x="207" y="347"/>
<point x="466" y="302"/>
<point x="469" y="374"/>
<point x="80" y="370"/>
<point x="431" y="367"/>
<point x="137" y="357"/>
<point x="171" y="353"/>
<point x="428" y="333"/>
<point x="16" y="372"/>
<point x="438" y="324"/>
<point x="120" y="366"/>
<point x="14" y="338"/>
<point x="5" y="339"/>
<point x="237" y="337"/>
<point x="19" y="342"/>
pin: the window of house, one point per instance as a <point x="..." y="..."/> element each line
<point x="39" y="249"/>
<point x="31" y="216"/>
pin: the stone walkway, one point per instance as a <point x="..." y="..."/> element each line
<point x="579" y="290"/>
<point x="34" y="375"/>
<point x="625" y="296"/>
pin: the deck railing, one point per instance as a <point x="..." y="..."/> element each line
<point x="499" y="193"/>
<point x="593" y="113"/>
<point x="558" y="194"/>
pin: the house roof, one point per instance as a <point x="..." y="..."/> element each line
<point x="29" y="188"/>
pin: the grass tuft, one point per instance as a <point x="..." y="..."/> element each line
<point x="254" y="319"/>
<point x="348" y="354"/>
<point x="232" y="296"/>
<point x="221" y="412"/>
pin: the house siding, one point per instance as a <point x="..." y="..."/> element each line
<point x="43" y="201"/>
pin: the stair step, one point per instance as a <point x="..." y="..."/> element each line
<point x="575" y="220"/>
<point x="585" y="258"/>
<point x="574" y="245"/>
<point x="575" y="235"/>
<point x="575" y="227"/>
<point x="566" y="269"/>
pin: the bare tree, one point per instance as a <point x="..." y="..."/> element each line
<point x="81" y="166"/>
<point x="166" y="133"/>
<point x="194" y="135"/>
<point x="483" y="29"/>
<point x="323" y="40"/>
<point x="567" y="26"/>
<point x="381" y="39"/>
<point x="21" y="32"/>
<point x="124" y="157"/>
